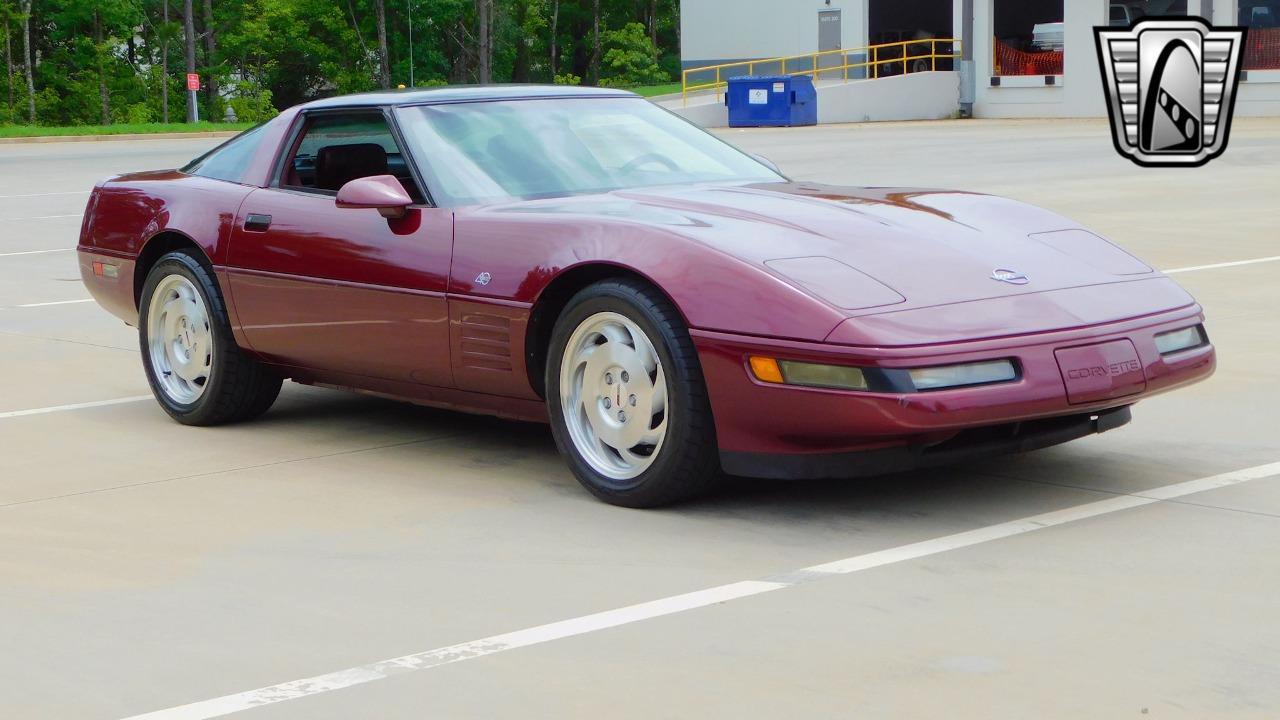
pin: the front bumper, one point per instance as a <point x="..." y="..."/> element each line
<point x="967" y="445"/>
<point x="756" y="421"/>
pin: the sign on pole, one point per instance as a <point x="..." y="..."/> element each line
<point x="193" y="85"/>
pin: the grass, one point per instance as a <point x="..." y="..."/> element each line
<point x="10" y="131"/>
<point x="651" y="90"/>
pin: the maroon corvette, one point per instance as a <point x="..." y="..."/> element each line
<point x="676" y="309"/>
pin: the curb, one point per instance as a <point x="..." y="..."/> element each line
<point x="108" y="138"/>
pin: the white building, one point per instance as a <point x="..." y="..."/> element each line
<point x="1024" y="58"/>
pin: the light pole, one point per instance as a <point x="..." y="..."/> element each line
<point x="410" y="4"/>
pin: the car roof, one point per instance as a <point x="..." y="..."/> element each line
<point x="462" y="93"/>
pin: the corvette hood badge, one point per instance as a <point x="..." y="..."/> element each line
<point x="1013" y="277"/>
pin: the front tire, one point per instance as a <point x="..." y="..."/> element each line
<point x="197" y="372"/>
<point x="626" y="398"/>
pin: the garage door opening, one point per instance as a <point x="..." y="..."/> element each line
<point x="899" y="21"/>
<point x="1262" y="46"/>
<point x="1029" y="37"/>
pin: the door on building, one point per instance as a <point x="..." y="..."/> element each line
<point x="829" y="39"/>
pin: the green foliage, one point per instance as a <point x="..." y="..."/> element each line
<point x="252" y="102"/>
<point x="103" y="58"/>
<point x="632" y="58"/>
<point x="655" y="90"/>
<point x="139" y="113"/>
<point x="7" y="131"/>
<point x="296" y="48"/>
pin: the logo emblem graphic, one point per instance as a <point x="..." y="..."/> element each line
<point x="1171" y="88"/>
<point x="483" y="278"/>
<point x="1013" y="277"/>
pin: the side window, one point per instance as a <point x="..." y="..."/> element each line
<point x="229" y="160"/>
<point x="337" y="148"/>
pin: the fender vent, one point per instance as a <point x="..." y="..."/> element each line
<point x="485" y="342"/>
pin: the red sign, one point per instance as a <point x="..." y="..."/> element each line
<point x="193" y="82"/>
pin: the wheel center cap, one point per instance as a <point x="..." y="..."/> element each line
<point x="615" y="394"/>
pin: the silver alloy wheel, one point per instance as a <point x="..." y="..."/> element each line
<point x="613" y="394"/>
<point x="179" y="339"/>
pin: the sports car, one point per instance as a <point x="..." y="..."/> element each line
<point x="678" y="310"/>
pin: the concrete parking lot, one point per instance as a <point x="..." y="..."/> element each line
<point x="147" y="567"/>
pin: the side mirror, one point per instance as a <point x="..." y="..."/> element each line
<point x="767" y="163"/>
<point x="384" y="193"/>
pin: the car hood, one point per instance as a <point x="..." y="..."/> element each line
<point x="867" y="250"/>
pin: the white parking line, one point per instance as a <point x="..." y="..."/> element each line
<point x="41" y="217"/>
<point x="76" y="406"/>
<point x="1215" y="266"/>
<point x="362" y="674"/>
<point x="55" y="302"/>
<point x="46" y="194"/>
<point x="35" y="252"/>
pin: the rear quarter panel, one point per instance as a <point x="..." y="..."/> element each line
<point x="131" y="210"/>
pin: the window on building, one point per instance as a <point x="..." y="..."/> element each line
<point x="1029" y="37"/>
<point x="1262" y="45"/>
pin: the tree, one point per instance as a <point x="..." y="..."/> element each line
<point x="555" y="22"/>
<point x="166" y="34"/>
<point x="97" y="61"/>
<point x="384" y="58"/>
<point x="632" y="59"/>
<point x="594" y="66"/>
<point x="527" y="31"/>
<point x="210" y="55"/>
<point x="297" y="49"/>
<point x="653" y="22"/>
<point x="24" y="7"/>
<point x="99" y="50"/>
<point x="484" y="19"/>
<point x="5" y="18"/>
<point x="189" y="32"/>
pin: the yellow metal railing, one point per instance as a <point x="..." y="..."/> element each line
<point x="873" y="63"/>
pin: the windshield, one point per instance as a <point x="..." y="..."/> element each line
<point x="487" y="151"/>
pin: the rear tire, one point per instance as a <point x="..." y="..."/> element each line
<point x="197" y="372"/>
<point x="626" y="398"/>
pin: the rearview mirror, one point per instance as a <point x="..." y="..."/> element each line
<point x="767" y="163"/>
<point x="383" y="193"/>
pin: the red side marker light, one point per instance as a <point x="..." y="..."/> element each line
<point x="104" y="270"/>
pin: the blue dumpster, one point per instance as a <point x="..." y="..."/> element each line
<point x="771" y="101"/>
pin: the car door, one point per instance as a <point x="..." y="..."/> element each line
<point x="342" y="289"/>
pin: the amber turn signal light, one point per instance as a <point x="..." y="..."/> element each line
<point x="802" y="374"/>
<point x="766" y="369"/>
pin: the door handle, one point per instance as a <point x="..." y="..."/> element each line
<point x="257" y="222"/>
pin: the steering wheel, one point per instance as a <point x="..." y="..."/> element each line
<point x="650" y="157"/>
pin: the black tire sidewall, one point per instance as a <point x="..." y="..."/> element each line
<point x="180" y="263"/>
<point x="619" y="298"/>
